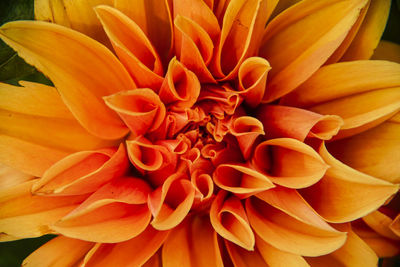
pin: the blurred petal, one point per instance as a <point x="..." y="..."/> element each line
<point x="24" y="215"/>
<point x="116" y="212"/>
<point x="381" y="224"/>
<point x="387" y="51"/>
<point x="82" y="70"/>
<point x="370" y="32"/>
<point x="132" y="47"/>
<point x="345" y="194"/>
<point x="130" y="253"/>
<point x="229" y="219"/>
<point x="297" y="235"/>
<point x="289" y="162"/>
<point x="52" y="11"/>
<point x="53" y="253"/>
<point x="82" y="172"/>
<point x="309" y="49"/>
<point x="282" y="121"/>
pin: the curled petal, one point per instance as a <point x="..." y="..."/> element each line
<point x="197" y="243"/>
<point x="82" y="70"/>
<point x="180" y="88"/>
<point x="289" y="162"/>
<point x="222" y="152"/>
<point x="133" y="252"/>
<point x="246" y="129"/>
<point x="229" y="219"/>
<point x="244" y="258"/>
<point x="194" y="48"/>
<point x="242" y="26"/>
<point x="309" y="49"/>
<point x="132" y="47"/>
<point x="171" y="202"/>
<point x="140" y="109"/>
<point x="345" y="194"/>
<point x="219" y="100"/>
<point x="291" y="234"/>
<point x="114" y="213"/>
<point x="241" y="180"/>
<point x="52" y="253"/>
<point x="203" y="184"/>
<point x="252" y="78"/>
<point x="282" y="121"/>
<point x="82" y="172"/>
<point x="23" y="215"/>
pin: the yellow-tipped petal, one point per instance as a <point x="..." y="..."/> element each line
<point x="82" y="70"/>
<point x="307" y="50"/>
<point x="370" y="32"/>
<point x="345" y="194"/>
<point x="387" y="51"/>
<point x="53" y="253"/>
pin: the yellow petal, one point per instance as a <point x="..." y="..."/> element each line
<point x="24" y="215"/>
<point x="82" y="70"/>
<point x="345" y="194"/>
<point x="370" y="32"/>
<point x="133" y="252"/>
<point x="53" y="253"/>
<point x="308" y="50"/>
<point x="154" y="18"/>
<point x="387" y="51"/>
<point x="52" y="11"/>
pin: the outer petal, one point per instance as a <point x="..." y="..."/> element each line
<point x="302" y="236"/>
<point x="53" y="253"/>
<point x="387" y="51"/>
<point x="130" y="253"/>
<point x="370" y="32"/>
<point x="309" y="49"/>
<point x="23" y="215"/>
<point x="10" y="177"/>
<point x="244" y="258"/>
<point x="345" y="194"/>
<point x="192" y="244"/>
<point x="363" y="93"/>
<point x="289" y="162"/>
<point x="83" y="172"/>
<point x="114" y="213"/>
<point x="82" y="70"/>
<point x="282" y="121"/>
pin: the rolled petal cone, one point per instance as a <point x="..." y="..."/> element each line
<point x="203" y="133"/>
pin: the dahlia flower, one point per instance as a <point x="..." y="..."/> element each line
<point x="203" y="133"/>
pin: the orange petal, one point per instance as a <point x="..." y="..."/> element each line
<point x="252" y="77"/>
<point x="244" y="258"/>
<point x="194" y="47"/>
<point x="309" y="49"/>
<point x="345" y="194"/>
<point x="292" y="234"/>
<point x="242" y="26"/>
<point x="241" y="180"/>
<point x="381" y="223"/>
<point x="282" y="121"/>
<point x="133" y="252"/>
<point x="197" y="243"/>
<point x="289" y="162"/>
<point x="395" y="225"/>
<point x="53" y="253"/>
<point x="82" y="172"/>
<point x="10" y="177"/>
<point x="82" y="70"/>
<point x="132" y="47"/>
<point x="154" y="18"/>
<point x="375" y="152"/>
<point x="387" y="51"/>
<point x="114" y="213"/>
<point x="23" y="215"/>
<point x="203" y="184"/>
<point x="171" y="202"/>
<point x="246" y="129"/>
<point x="180" y="88"/>
<point x="275" y="257"/>
<point x="140" y="109"/>
<point x="355" y="252"/>
<point x="363" y="93"/>
<point x="370" y="32"/>
<point x="229" y="219"/>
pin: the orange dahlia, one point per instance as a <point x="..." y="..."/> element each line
<point x="203" y="133"/>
